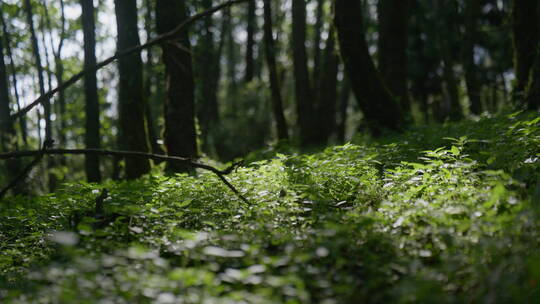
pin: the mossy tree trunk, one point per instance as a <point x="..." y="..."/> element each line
<point x="379" y="107"/>
<point x="180" y="135"/>
<point x="132" y="132"/>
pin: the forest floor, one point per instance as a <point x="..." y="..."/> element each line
<point x="441" y="214"/>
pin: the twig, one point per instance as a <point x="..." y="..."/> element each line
<point x="38" y="156"/>
<point x="188" y="161"/>
<point x="159" y="39"/>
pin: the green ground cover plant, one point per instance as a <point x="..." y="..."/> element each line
<point x="440" y="214"/>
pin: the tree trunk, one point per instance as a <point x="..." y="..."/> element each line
<point x="344" y="96"/>
<point x="250" y="43"/>
<point x="326" y="108"/>
<point x="472" y="12"/>
<point x="379" y="107"/>
<point x="277" y="102"/>
<point x="152" y="101"/>
<point x="39" y="67"/>
<point x="303" y="93"/>
<point x="92" y="124"/>
<point x="452" y="107"/>
<point x="208" y="69"/>
<point x="526" y="36"/>
<point x="8" y="136"/>
<point x="180" y="135"/>
<point x="392" y="48"/>
<point x="6" y="40"/>
<point x="132" y="132"/>
<point x="533" y="90"/>
<point x="319" y="24"/>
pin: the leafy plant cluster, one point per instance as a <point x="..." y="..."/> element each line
<point x="446" y="214"/>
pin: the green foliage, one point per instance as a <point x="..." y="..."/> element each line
<point x="442" y="215"/>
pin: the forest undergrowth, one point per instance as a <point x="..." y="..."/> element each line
<point x="440" y="214"/>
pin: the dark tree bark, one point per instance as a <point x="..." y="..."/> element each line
<point x="180" y="135"/>
<point x="392" y="48"/>
<point x="472" y="13"/>
<point x="526" y="37"/>
<point x="207" y="58"/>
<point x="319" y="23"/>
<point x="445" y="12"/>
<point x="8" y="136"/>
<point x="6" y="40"/>
<point x="326" y="107"/>
<point x="250" y="43"/>
<point x="39" y="67"/>
<point x="533" y="90"/>
<point x="132" y="131"/>
<point x="92" y="124"/>
<point x="379" y="107"/>
<point x="152" y="101"/>
<point x="277" y="102"/>
<point x="344" y="96"/>
<point x="305" y="109"/>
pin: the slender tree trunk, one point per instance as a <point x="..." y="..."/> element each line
<point x="133" y="132"/>
<point x="92" y="124"/>
<point x="344" y="96"/>
<point x="305" y="108"/>
<point x="6" y="40"/>
<point x="472" y="12"/>
<point x="328" y="93"/>
<point x="151" y="99"/>
<point x="392" y="48"/>
<point x="277" y="102"/>
<point x="533" y="90"/>
<point x="379" y="107"/>
<point x="8" y="135"/>
<point x="208" y="69"/>
<point x="180" y="135"/>
<point x="319" y="24"/>
<point x="526" y="37"/>
<point x="39" y="67"/>
<point x="250" y="43"/>
<point x="452" y="109"/>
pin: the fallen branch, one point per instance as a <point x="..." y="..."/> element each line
<point x="159" y="39"/>
<point x="38" y="156"/>
<point x="102" y="152"/>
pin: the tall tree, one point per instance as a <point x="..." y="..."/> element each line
<point x="132" y="131"/>
<point x="92" y="124"/>
<point x="533" y="90"/>
<point x="180" y="135"/>
<point x="526" y="37"/>
<point x="472" y="12"/>
<point x="327" y="94"/>
<point x="445" y="11"/>
<point x="379" y="107"/>
<point x="270" y="49"/>
<point x="8" y="136"/>
<point x="39" y="67"/>
<point x="151" y="89"/>
<point x="207" y="58"/>
<point x="6" y="40"/>
<point x="305" y="109"/>
<point x="392" y="48"/>
<point x="250" y="43"/>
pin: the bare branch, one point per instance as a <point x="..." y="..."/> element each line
<point x="159" y="39"/>
<point x="102" y="152"/>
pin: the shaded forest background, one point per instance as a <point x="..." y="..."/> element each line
<point x="253" y="75"/>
